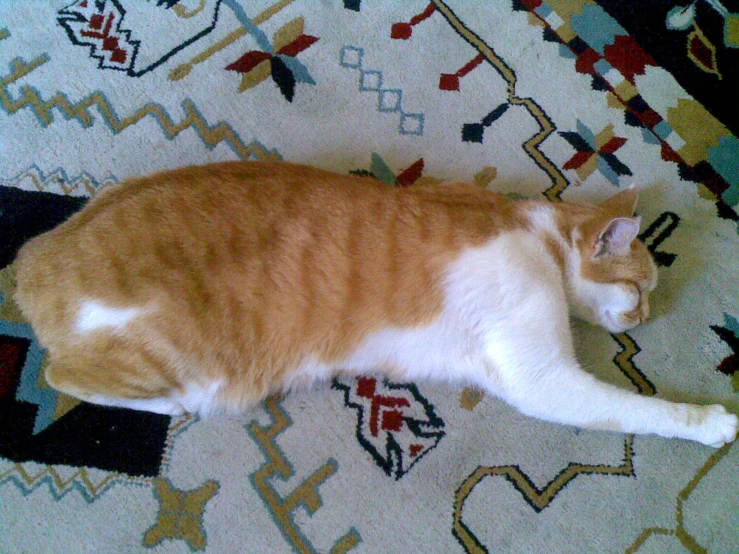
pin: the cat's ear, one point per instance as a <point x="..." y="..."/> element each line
<point x="616" y="237"/>
<point x="622" y="204"/>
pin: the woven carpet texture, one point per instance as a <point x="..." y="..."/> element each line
<point x="555" y="99"/>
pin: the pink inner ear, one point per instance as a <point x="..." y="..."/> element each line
<point x="616" y="238"/>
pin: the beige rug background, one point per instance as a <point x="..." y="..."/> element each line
<point x="100" y="91"/>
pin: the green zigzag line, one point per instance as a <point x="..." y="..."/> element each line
<point x="30" y="98"/>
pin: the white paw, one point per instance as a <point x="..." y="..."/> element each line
<point x="718" y="426"/>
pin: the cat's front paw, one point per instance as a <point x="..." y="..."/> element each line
<point x="718" y="426"/>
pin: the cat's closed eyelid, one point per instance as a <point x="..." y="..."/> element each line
<point x="632" y="286"/>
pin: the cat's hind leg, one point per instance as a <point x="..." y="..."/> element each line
<point x="114" y="381"/>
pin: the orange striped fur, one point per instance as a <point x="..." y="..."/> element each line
<point x="242" y="270"/>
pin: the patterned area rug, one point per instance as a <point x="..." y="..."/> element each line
<point x="569" y="99"/>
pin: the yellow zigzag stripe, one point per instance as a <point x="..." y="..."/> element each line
<point x="687" y="540"/>
<point x="211" y="135"/>
<point x="541" y="499"/>
<point x="305" y="494"/>
<point x="82" y="477"/>
<point x="623" y="361"/>
<point x="83" y="183"/>
<point x="546" y="127"/>
<point x="60" y="483"/>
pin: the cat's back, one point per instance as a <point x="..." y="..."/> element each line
<point x="225" y="213"/>
<point x="145" y="233"/>
<point x="211" y="207"/>
<point x="282" y="250"/>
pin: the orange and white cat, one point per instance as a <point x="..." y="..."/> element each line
<point x="208" y="288"/>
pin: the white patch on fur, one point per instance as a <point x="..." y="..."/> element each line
<point x="309" y="372"/>
<point x="438" y="352"/>
<point x="541" y="218"/>
<point x="164" y="406"/>
<point x="94" y="315"/>
<point x="201" y="399"/>
<point x="196" y="399"/>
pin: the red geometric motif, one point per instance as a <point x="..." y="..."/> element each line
<point x="578" y="160"/>
<point x="13" y="352"/>
<point x="391" y="420"/>
<point x="380" y="171"/>
<point x="396" y="425"/>
<point x="668" y="154"/>
<point x="109" y="43"/>
<point x="403" y="31"/>
<point x="649" y="118"/>
<point x="702" y="52"/>
<point x="298" y="45"/>
<point x="628" y="57"/>
<point x="411" y="174"/>
<point x="283" y="67"/>
<point x="612" y="145"/>
<point x="250" y="60"/>
<point x="589" y="155"/>
<point x="98" y="25"/>
<point x="449" y="81"/>
<point x="531" y="5"/>
<point x="586" y="60"/>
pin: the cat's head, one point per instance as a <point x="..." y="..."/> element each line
<point x="616" y="272"/>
